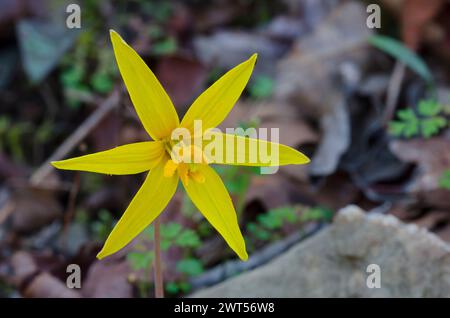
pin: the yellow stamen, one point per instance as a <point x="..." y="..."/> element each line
<point x="183" y="172"/>
<point x="185" y="163"/>
<point x="169" y="168"/>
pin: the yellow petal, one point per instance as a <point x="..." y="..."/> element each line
<point x="153" y="105"/>
<point x="148" y="203"/>
<point x="127" y="159"/>
<point x="214" y="104"/>
<point x="212" y="199"/>
<point x="197" y="176"/>
<point x="244" y="151"/>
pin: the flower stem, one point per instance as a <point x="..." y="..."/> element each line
<point x="159" y="287"/>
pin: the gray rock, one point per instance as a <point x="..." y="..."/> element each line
<point x="412" y="261"/>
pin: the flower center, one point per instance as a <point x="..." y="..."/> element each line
<point x="186" y="160"/>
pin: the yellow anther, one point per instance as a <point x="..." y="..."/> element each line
<point x="169" y="168"/>
<point x="184" y="164"/>
<point x="183" y="172"/>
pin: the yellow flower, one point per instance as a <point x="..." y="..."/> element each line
<point x="160" y="119"/>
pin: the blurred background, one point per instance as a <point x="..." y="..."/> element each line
<point x="370" y="106"/>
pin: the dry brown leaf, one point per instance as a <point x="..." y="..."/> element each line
<point x="310" y="69"/>
<point x="183" y="78"/>
<point x="107" y="279"/>
<point x="432" y="157"/>
<point x="47" y="286"/>
<point x="271" y="191"/>
<point x="34" y="208"/>
<point x="416" y="14"/>
<point x="23" y="266"/>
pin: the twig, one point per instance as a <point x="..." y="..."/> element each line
<point x="82" y="131"/>
<point x="70" y="212"/>
<point x="395" y="83"/>
<point x="159" y="288"/>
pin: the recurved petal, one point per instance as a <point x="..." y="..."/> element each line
<point x="212" y="199"/>
<point x="147" y="204"/>
<point x="214" y="104"/>
<point x="244" y="151"/>
<point x="153" y="105"/>
<point x="127" y="159"/>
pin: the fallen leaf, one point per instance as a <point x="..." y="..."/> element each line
<point x="34" y="208"/>
<point x="108" y="279"/>
<point x="432" y="156"/>
<point x="105" y="134"/>
<point x="307" y="77"/>
<point x="47" y="286"/>
<point x="10" y="169"/>
<point x="415" y="15"/>
<point x="42" y="44"/>
<point x="335" y="140"/>
<point x="183" y="78"/>
<point x="23" y="266"/>
<point x="310" y="69"/>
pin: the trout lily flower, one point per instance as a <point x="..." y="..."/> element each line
<point x="159" y="118"/>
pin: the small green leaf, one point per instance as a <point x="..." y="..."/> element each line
<point x="261" y="87"/>
<point x="429" y="108"/>
<point x="270" y="221"/>
<point x="155" y="31"/>
<point x="275" y="218"/>
<point x="172" y="288"/>
<point x="403" y="54"/>
<point x="411" y="129"/>
<point x="44" y="132"/>
<point x="103" y="226"/>
<point x="204" y="229"/>
<point x="104" y="215"/>
<point x="262" y="234"/>
<point x="5" y="124"/>
<point x="444" y="180"/>
<point x="170" y="230"/>
<point x="72" y="77"/>
<point x="187" y="238"/>
<point x="406" y="114"/>
<point x="408" y="125"/>
<point x="165" y="47"/>
<point x="431" y="126"/>
<point x="165" y="245"/>
<point x="288" y="213"/>
<point x="184" y="286"/>
<point x="102" y="82"/>
<point x="258" y="232"/>
<point x="396" y="128"/>
<point x="190" y="266"/>
<point x="317" y="214"/>
<point x="427" y="124"/>
<point x="140" y="260"/>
